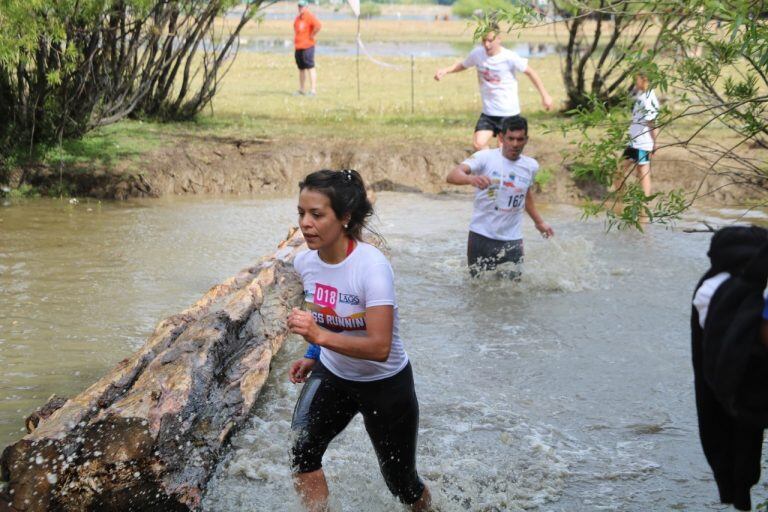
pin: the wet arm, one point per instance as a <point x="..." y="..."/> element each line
<point x="546" y="99"/>
<point x="455" y="68"/>
<point x="530" y="208"/>
<point x="462" y="175"/>
<point x="374" y="346"/>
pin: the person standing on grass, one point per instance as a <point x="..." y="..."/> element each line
<point x="503" y="178"/>
<point x="305" y="28"/>
<point x="642" y="135"/>
<point x="356" y="362"/>
<point x="497" y="69"/>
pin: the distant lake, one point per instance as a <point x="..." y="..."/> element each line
<point x="344" y="14"/>
<point x="419" y="49"/>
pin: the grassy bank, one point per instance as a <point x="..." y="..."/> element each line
<point x="260" y="87"/>
<point x="397" y="103"/>
<point x="257" y="100"/>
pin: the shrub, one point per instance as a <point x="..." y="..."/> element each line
<point x="469" y="8"/>
<point x="543" y="177"/>
<point x="23" y="191"/>
<point x="369" y="10"/>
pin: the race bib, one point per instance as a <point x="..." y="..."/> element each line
<point x="326" y="295"/>
<point x="509" y="198"/>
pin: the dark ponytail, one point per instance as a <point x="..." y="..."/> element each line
<point x="346" y="191"/>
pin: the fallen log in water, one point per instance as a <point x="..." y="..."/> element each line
<point x="148" y="435"/>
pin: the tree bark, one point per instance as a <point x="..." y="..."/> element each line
<point x="148" y="435"/>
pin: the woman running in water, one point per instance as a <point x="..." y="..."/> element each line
<point x="356" y="361"/>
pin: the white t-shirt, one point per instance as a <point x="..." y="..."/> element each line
<point x="498" y="210"/>
<point x="337" y="296"/>
<point x="496" y="76"/>
<point x="703" y="296"/>
<point x="645" y="110"/>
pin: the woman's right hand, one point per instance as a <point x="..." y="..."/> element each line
<point x="300" y="370"/>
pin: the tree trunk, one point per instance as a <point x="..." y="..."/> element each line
<point x="148" y="435"/>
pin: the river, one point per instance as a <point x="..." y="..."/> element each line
<point x="406" y="49"/>
<point x="571" y="390"/>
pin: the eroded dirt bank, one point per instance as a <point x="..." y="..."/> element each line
<point x="257" y="166"/>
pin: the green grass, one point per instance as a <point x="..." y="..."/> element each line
<point x="126" y="140"/>
<point x="255" y="101"/>
<point x="369" y="10"/>
<point x="543" y="177"/>
<point x="468" y="8"/>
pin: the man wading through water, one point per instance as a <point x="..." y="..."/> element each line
<point x="503" y="178"/>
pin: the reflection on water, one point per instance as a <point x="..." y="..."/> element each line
<point x="570" y="390"/>
<point x="419" y="49"/>
<point x="81" y="286"/>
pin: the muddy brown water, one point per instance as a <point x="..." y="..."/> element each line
<point x="568" y="391"/>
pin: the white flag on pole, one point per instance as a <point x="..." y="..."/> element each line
<point x="355" y="5"/>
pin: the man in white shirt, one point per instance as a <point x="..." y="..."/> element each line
<point x="642" y="134"/>
<point x="503" y="178"/>
<point x="497" y="68"/>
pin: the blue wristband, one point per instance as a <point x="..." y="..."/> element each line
<point x="765" y="310"/>
<point x="313" y="352"/>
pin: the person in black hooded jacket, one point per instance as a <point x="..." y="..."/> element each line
<point x="730" y="363"/>
<point x="764" y="328"/>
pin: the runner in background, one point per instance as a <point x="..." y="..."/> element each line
<point x="497" y="69"/>
<point x="642" y="134"/>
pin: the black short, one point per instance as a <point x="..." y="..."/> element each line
<point x="492" y="123"/>
<point x="639" y="156"/>
<point x="391" y="415"/>
<point x="305" y="59"/>
<point x="485" y="254"/>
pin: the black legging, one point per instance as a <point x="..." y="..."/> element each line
<point x="391" y="414"/>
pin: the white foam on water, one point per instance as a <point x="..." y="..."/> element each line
<point x="474" y="455"/>
<point x="561" y="265"/>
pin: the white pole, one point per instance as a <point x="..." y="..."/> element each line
<point x="358" y="58"/>
<point x="413" y="65"/>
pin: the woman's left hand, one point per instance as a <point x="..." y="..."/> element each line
<point x="300" y="370"/>
<point x="301" y="322"/>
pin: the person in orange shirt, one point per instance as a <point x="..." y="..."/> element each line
<point x="306" y="26"/>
